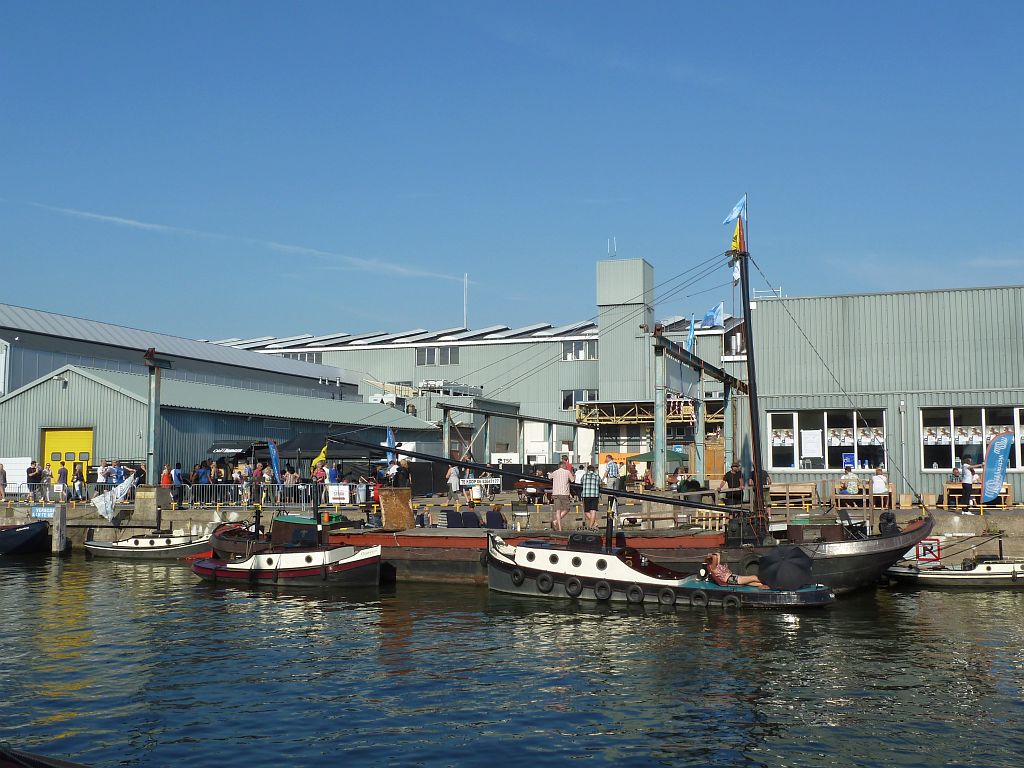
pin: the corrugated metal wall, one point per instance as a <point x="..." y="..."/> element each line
<point x="118" y="422"/>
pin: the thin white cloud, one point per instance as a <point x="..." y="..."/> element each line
<point x="347" y="262"/>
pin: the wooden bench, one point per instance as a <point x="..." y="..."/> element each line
<point x="863" y="499"/>
<point x="793" y="495"/>
<point x="951" y="491"/>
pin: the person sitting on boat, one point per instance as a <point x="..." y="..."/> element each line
<point x="849" y="482"/>
<point x="723" y="577"/>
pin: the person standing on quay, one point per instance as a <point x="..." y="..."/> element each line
<point x="3" y="483"/>
<point x="967" y="483"/>
<point x="453" y="483"/>
<point x="561" y="480"/>
<point x="611" y="478"/>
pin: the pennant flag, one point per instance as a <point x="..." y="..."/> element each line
<point x="997" y="459"/>
<point x="739" y="240"/>
<point x="391" y="445"/>
<point x="689" y="336"/>
<point x="736" y="273"/>
<point x="714" y="316"/>
<point x="275" y="460"/>
<point x="322" y="456"/>
<point x="740" y="209"/>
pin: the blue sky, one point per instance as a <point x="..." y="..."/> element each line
<point x="248" y="168"/>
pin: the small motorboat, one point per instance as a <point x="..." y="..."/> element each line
<point x="303" y="566"/>
<point x="980" y="571"/>
<point x="154" y="545"/>
<point x="25" y="539"/>
<point x="585" y="569"/>
<point x="241" y="539"/>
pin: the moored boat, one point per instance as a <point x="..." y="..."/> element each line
<point x="25" y="539"/>
<point x="976" y="570"/>
<point x="154" y="545"/>
<point x="315" y="566"/>
<point x="243" y="539"/>
<point x="585" y="569"/>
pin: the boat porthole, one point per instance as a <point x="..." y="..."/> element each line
<point x="518" y="577"/>
<point x="545" y="583"/>
<point x="576" y="562"/>
<point x="635" y="594"/>
<point x="602" y="590"/>
<point x="667" y="596"/>
<point x="602" y="564"/>
<point x="573" y="587"/>
<point x="553" y="559"/>
<point x="530" y="557"/>
<point x="270" y="561"/>
<point x="309" y="558"/>
<point x="699" y="599"/>
<point x="988" y="567"/>
<point x="151" y="542"/>
<point x="135" y="542"/>
<point x="731" y="601"/>
<point x="167" y="542"/>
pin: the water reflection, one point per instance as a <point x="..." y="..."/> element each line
<point x="142" y="664"/>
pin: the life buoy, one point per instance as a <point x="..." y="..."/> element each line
<point x="731" y="602"/>
<point x="545" y="583"/>
<point x="667" y="596"/>
<point x="699" y="599"/>
<point x="602" y="590"/>
<point x="518" y="577"/>
<point x="635" y="594"/>
<point x="573" y="587"/>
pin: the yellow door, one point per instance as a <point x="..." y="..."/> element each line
<point x="72" y="446"/>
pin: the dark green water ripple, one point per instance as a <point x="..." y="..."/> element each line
<point x="120" y="664"/>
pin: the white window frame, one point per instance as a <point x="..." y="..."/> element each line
<point x="823" y="412"/>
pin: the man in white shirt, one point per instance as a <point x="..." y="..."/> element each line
<point x="879" y="487"/>
<point x="967" y="483"/>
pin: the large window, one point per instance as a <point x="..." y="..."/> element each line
<point x="826" y="439"/>
<point x="950" y="436"/>
<point x="437" y="356"/>
<point x="579" y="350"/>
<point x="570" y="397"/>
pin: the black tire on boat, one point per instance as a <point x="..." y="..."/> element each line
<point x="699" y="599"/>
<point x="731" y="602"/>
<point x="573" y="587"/>
<point x="667" y="596"/>
<point x="518" y="577"/>
<point x="635" y="594"/>
<point x="545" y="583"/>
<point x="750" y="566"/>
<point x="602" y="590"/>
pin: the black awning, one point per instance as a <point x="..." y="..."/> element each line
<point x="307" y="445"/>
<point x="225" y="448"/>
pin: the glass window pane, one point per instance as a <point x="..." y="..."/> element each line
<point x="567" y="350"/>
<point x="811" y="438"/>
<point x="55" y="456"/>
<point x="69" y="456"/>
<point x="936" y="428"/>
<point x="421" y="356"/>
<point x="871" y="438"/>
<point x="84" y="456"/>
<point x="839" y="426"/>
<point x="566" y="399"/>
<point x="997" y="421"/>
<point x="780" y="426"/>
<point x="431" y="355"/>
<point x="968" y="421"/>
<point x="453" y="355"/>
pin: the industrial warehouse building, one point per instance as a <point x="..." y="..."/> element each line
<point x="914" y="381"/>
<point x="79" y="388"/>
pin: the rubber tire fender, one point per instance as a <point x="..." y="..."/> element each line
<point x="750" y="566"/>
<point x="667" y="596"/>
<point x="573" y="587"/>
<point x="731" y="602"/>
<point x="602" y="590"/>
<point x="545" y="583"/>
<point x="518" y="577"/>
<point x="699" y="599"/>
<point x="635" y="594"/>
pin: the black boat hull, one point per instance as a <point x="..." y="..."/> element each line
<point x="30" y="538"/>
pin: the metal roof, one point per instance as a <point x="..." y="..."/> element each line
<point x="66" y="327"/>
<point x="508" y="334"/>
<point x="193" y="396"/>
<point x="282" y="343"/>
<point x="473" y="334"/>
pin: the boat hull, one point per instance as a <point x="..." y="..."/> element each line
<point x="542" y="569"/>
<point x="991" y="574"/>
<point x="152" y="546"/>
<point x="305" y="567"/>
<point x="28" y="539"/>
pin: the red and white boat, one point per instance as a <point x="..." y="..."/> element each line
<point x="301" y="567"/>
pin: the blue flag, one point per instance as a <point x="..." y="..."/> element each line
<point x="714" y="316"/>
<point x="391" y="444"/>
<point x="275" y="460"/>
<point x="740" y="209"/>
<point x="689" y="336"/>
<point x="997" y="459"/>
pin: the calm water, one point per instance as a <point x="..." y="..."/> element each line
<point x="117" y="664"/>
